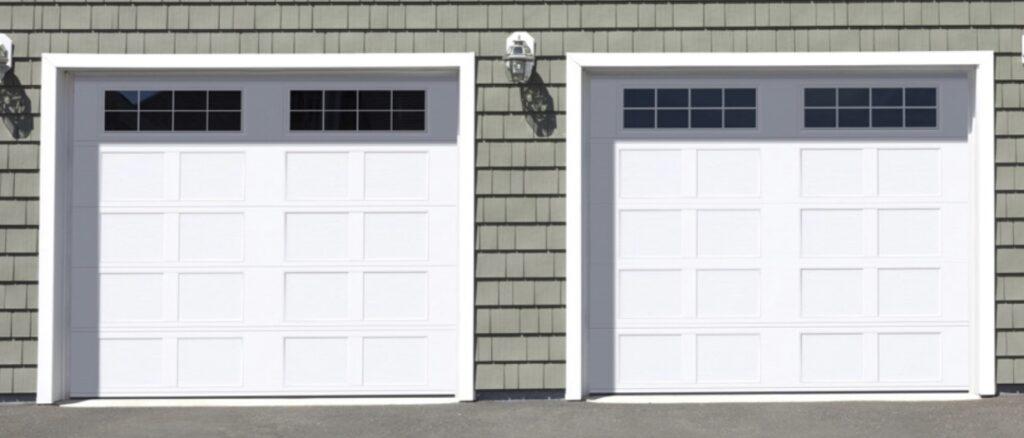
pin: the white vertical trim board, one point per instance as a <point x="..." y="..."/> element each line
<point x="56" y="110"/>
<point x="979" y="64"/>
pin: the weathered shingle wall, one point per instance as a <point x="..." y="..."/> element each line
<point x="520" y="206"/>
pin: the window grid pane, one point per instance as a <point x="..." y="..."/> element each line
<point x="882" y="107"/>
<point x="358" y="110"/>
<point x="646" y="108"/>
<point x="172" y="110"/>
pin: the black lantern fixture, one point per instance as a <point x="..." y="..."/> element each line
<point x="519" y="57"/>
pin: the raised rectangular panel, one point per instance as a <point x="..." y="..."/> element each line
<point x="728" y="293"/>
<point x="831" y="292"/>
<point x="395" y="361"/>
<point x="909" y="172"/>
<point x="211" y="236"/>
<point x="210" y="297"/>
<point x="728" y="358"/>
<point x="315" y="361"/>
<point x="909" y="292"/>
<point x="212" y="176"/>
<point x="831" y="357"/>
<point x="207" y="362"/>
<point x="831" y="233"/>
<point x="910" y="357"/>
<point x="131" y="237"/>
<point x="131" y="363"/>
<point x="131" y="177"/>
<point x="650" y="359"/>
<point x="653" y="174"/>
<point x="651" y="294"/>
<point x="317" y="175"/>
<point x="130" y="297"/>
<point x="728" y="173"/>
<point x="395" y="295"/>
<point x="723" y="233"/>
<point x="311" y="296"/>
<point x="831" y="172"/>
<point x="651" y="233"/>
<point x="397" y="175"/>
<point x="316" y="236"/>
<point x="909" y="232"/>
<point x="395" y="236"/>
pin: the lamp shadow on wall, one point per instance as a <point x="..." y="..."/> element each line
<point x="538" y="105"/>
<point x="15" y="107"/>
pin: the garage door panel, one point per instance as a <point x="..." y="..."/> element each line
<point x="216" y="362"/>
<point x="694" y="293"/>
<point x="804" y="359"/>
<point x="787" y="267"/>
<point x="229" y="267"/>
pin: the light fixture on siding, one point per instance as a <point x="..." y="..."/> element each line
<point x="519" y="57"/>
<point x="6" y="54"/>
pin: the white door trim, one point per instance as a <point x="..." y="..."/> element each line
<point x="979" y="64"/>
<point x="52" y="381"/>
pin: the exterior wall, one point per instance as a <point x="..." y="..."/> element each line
<point x="520" y="206"/>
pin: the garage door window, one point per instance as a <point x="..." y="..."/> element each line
<point x="870" y="108"/>
<point x="358" y="110"/>
<point x="177" y="110"/>
<point x="689" y="108"/>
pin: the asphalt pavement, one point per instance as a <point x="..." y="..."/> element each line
<point x="994" y="417"/>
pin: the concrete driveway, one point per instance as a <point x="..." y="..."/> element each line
<point x="996" y="417"/>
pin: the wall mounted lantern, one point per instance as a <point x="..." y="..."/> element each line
<point x="6" y="54"/>
<point x="519" y="57"/>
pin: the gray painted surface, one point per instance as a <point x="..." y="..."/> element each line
<point x="520" y="130"/>
<point x="998" y="417"/>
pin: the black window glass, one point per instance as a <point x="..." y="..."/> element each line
<point x="189" y="100"/>
<point x="409" y="121"/>
<point x="706" y="97"/>
<point x="156" y="100"/>
<point x="409" y="100"/>
<point x="359" y="110"/>
<point x="920" y="97"/>
<point x="374" y="120"/>
<point x="883" y="107"/>
<point x="673" y="118"/>
<point x="854" y="118"/>
<point x="638" y="98"/>
<point x="225" y="121"/>
<point x="225" y="100"/>
<point x="307" y="121"/>
<point x="735" y="118"/>
<point x="921" y="118"/>
<point x="173" y="110"/>
<point x="120" y="121"/>
<point x="887" y="118"/>
<point x="190" y="121"/>
<point x="740" y="97"/>
<point x="673" y="98"/>
<point x="121" y="100"/>
<point x="375" y="100"/>
<point x="820" y="118"/>
<point x="340" y="120"/>
<point x="706" y="118"/>
<point x="819" y="97"/>
<point x="886" y="97"/>
<point x="155" y="121"/>
<point x="307" y="100"/>
<point x="854" y="97"/>
<point x="638" y="118"/>
<point x="340" y="100"/>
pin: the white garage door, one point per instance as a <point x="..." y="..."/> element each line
<point x="778" y="234"/>
<point x="234" y="236"/>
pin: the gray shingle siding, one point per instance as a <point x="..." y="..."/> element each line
<point x="520" y="207"/>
